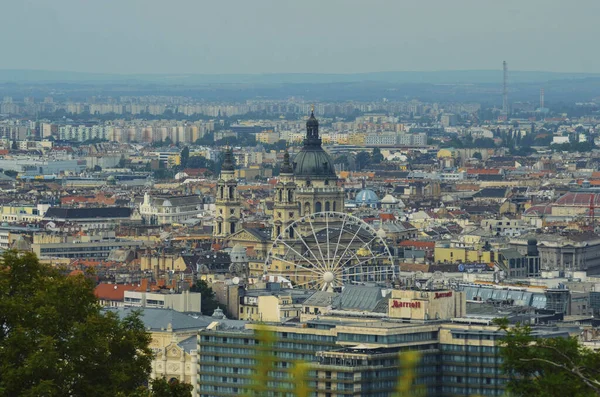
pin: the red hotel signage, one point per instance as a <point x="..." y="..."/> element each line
<point x="412" y="305"/>
<point x="443" y="294"/>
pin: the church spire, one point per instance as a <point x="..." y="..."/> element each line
<point x="286" y="167"/>
<point x="228" y="161"/>
<point x="312" y="130"/>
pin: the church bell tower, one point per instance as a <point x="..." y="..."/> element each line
<point x="228" y="208"/>
<point x="285" y="208"/>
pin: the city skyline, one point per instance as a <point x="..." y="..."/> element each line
<point x="304" y="37"/>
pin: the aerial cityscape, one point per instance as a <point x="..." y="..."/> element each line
<point x="330" y="231"/>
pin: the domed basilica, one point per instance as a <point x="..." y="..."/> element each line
<point x="307" y="184"/>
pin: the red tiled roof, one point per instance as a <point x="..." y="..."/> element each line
<point x="112" y="292"/>
<point x="387" y="217"/>
<point x="423" y="245"/>
<point x="573" y="199"/>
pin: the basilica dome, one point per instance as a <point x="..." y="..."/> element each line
<point x="312" y="162"/>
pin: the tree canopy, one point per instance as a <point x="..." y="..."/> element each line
<point x="55" y="340"/>
<point x="200" y="162"/>
<point x="208" y="302"/>
<point x="540" y="366"/>
<point x="185" y="155"/>
<point x="160" y="387"/>
<point x="363" y="159"/>
<point x="342" y="159"/>
<point x="376" y="156"/>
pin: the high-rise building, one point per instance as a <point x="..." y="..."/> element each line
<point x="349" y="351"/>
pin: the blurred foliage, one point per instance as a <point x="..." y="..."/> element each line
<point x="55" y="340"/>
<point x="301" y="378"/>
<point x="540" y="366"/>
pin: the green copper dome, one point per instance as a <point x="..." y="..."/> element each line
<point x="312" y="162"/>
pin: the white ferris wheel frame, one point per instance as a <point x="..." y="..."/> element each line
<point x="331" y="270"/>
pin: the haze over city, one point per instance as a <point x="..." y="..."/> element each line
<point x="299" y="198"/>
<point x="311" y="36"/>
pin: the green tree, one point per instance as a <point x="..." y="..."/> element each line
<point x="487" y="143"/>
<point x="185" y="155"/>
<point x="541" y="366"/>
<point x="160" y="387"/>
<point x="172" y="388"/>
<point x="477" y="156"/>
<point x="363" y="159"/>
<point x="200" y="162"/>
<point x="278" y="146"/>
<point x="56" y="341"/>
<point x="11" y="173"/>
<point x="376" y="156"/>
<point x="342" y="159"/>
<point x="208" y="303"/>
<point x="207" y="140"/>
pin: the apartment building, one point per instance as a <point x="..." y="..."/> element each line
<point x="185" y="302"/>
<point x="93" y="246"/>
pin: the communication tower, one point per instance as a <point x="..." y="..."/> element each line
<point x="505" y="89"/>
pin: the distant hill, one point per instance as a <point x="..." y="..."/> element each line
<point x="435" y="77"/>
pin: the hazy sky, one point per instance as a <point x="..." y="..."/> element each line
<point x="313" y="36"/>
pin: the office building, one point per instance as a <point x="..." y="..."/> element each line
<point x="187" y="302"/>
<point x="358" y="344"/>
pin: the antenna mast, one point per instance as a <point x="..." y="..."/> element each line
<point x="505" y="90"/>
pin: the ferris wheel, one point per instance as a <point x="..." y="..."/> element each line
<point x="327" y="250"/>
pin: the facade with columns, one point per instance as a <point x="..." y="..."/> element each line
<point x="177" y="360"/>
